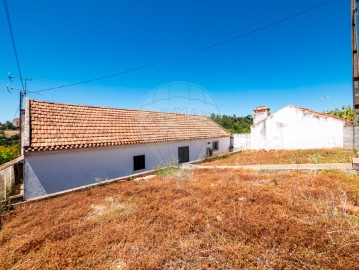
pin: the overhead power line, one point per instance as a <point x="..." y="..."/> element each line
<point x="198" y="50"/>
<point x="17" y="110"/>
<point x="13" y="42"/>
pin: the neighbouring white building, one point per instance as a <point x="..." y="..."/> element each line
<point x="68" y="146"/>
<point x="292" y="128"/>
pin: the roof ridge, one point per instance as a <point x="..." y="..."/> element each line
<point x="113" y="108"/>
<point x="320" y="113"/>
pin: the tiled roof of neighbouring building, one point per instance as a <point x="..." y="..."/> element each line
<point x="55" y="126"/>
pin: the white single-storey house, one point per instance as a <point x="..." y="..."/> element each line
<point x="68" y="146"/>
<point x="292" y="128"/>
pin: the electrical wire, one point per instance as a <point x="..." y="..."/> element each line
<point x="18" y="107"/>
<point x="13" y="42"/>
<point x="191" y="52"/>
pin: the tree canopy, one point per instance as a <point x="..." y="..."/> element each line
<point x="233" y="123"/>
<point x="7" y="125"/>
<point x="345" y="112"/>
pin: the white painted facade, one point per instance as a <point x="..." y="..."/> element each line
<point x="242" y="141"/>
<point x="48" y="172"/>
<point x="293" y="128"/>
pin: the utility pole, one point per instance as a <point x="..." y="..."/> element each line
<point x="22" y="96"/>
<point x="355" y="62"/>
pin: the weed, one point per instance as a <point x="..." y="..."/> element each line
<point x="168" y="170"/>
<point x="263" y="171"/>
<point x="111" y="209"/>
<point x="99" y="180"/>
<point x="315" y="158"/>
<point x="184" y="174"/>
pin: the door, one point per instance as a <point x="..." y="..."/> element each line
<point x="183" y="154"/>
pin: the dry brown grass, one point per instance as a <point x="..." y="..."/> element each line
<point x="219" y="219"/>
<point x="286" y="157"/>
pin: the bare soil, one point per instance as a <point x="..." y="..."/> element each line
<point x="200" y="219"/>
<point x="313" y="156"/>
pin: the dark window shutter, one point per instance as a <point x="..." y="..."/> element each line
<point x="139" y="162"/>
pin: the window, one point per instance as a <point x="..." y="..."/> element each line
<point x="215" y="145"/>
<point x="138" y="162"/>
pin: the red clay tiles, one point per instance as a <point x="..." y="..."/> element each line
<point x="64" y="126"/>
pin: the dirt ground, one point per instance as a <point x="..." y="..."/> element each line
<point x="197" y="219"/>
<point x="314" y="156"/>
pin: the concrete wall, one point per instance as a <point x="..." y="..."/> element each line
<point x="10" y="175"/>
<point x="53" y="171"/>
<point x="292" y="128"/>
<point x="7" y="182"/>
<point x="242" y="141"/>
<point x="351" y="137"/>
<point x="10" y="133"/>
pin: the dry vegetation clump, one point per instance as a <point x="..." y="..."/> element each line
<point x="219" y="219"/>
<point x="286" y="157"/>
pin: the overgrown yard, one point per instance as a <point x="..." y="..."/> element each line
<point x="286" y="157"/>
<point x="219" y="219"/>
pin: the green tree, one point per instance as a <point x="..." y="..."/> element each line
<point x="234" y="124"/>
<point x="345" y="112"/>
<point x="7" y="125"/>
<point x="9" y="141"/>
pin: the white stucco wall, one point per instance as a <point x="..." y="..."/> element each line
<point x="292" y="128"/>
<point x="242" y="141"/>
<point x="54" y="171"/>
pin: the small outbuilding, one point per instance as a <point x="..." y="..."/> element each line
<point x="292" y="128"/>
<point x="68" y="146"/>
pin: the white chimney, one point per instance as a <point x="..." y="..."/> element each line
<point x="260" y="113"/>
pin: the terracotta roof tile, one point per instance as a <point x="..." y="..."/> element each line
<point x="64" y="126"/>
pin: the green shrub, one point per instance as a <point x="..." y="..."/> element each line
<point x="170" y="169"/>
<point x="8" y="141"/>
<point x="8" y="153"/>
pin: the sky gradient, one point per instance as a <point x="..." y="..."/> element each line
<point x="296" y="62"/>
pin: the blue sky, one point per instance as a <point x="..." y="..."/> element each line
<point x="296" y="62"/>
